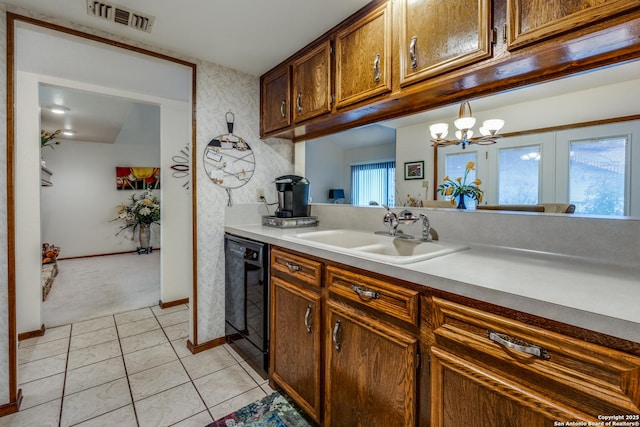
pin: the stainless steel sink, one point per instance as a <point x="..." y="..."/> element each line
<point x="378" y="247"/>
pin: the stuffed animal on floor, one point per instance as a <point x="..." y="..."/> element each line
<point x="49" y="253"/>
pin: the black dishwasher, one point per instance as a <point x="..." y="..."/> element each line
<point x="247" y="298"/>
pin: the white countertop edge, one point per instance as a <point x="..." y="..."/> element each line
<point x="621" y="324"/>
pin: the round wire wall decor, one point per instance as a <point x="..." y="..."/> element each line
<point x="228" y="160"/>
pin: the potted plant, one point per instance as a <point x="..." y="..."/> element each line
<point x="141" y="212"/>
<point x="458" y="188"/>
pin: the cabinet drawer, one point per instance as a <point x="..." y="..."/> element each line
<point x="396" y="301"/>
<point x="567" y="368"/>
<point x="295" y="268"/>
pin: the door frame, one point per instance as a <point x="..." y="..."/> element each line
<point x="15" y="395"/>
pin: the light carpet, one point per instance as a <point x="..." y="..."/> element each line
<point x="86" y="288"/>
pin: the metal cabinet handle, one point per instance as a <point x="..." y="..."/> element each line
<point x="518" y="344"/>
<point x="283" y="106"/>
<point x="307" y="319"/>
<point x="336" y="335"/>
<point x="412" y="52"/>
<point x="299" y="102"/>
<point x="376" y="68"/>
<point x="365" y="292"/>
<point x="292" y="267"/>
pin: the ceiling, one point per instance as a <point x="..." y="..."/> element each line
<point x="99" y="118"/>
<point x="246" y="35"/>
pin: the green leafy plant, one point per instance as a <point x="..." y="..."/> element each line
<point x="143" y="209"/>
<point x="454" y="188"/>
<point x="46" y="138"/>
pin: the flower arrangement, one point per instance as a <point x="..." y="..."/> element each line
<point x="459" y="187"/>
<point x="142" y="210"/>
<point x="46" y="138"/>
<point x="410" y="201"/>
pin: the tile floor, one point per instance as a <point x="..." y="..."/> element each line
<point x="129" y="369"/>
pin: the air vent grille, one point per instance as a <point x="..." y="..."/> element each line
<point x="120" y="15"/>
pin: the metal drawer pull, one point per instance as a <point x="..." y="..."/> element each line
<point x="376" y="68"/>
<point x="283" y="105"/>
<point x="412" y="52"/>
<point x="299" y="102"/>
<point x="518" y="344"/>
<point x="292" y="267"/>
<point x="336" y="335"/>
<point x="307" y="319"/>
<point x="365" y="293"/>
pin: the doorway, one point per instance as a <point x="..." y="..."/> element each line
<point x="96" y="272"/>
<point x="91" y="64"/>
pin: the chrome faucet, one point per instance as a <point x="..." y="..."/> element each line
<point x="426" y="228"/>
<point x="391" y="220"/>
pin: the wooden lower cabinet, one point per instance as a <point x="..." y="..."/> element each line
<point x="370" y="371"/>
<point x="345" y="347"/>
<point x="295" y="344"/>
<point x="501" y="372"/>
<point x="463" y="393"/>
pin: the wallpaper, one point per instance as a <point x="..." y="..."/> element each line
<point x="221" y="90"/>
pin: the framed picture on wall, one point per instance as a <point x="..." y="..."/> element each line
<point x="414" y="170"/>
<point x="137" y="178"/>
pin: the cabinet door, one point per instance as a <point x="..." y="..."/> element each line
<point x="275" y="101"/>
<point x="530" y="21"/>
<point x="295" y="344"/>
<point x="463" y="393"/>
<point x="438" y="36"/>
<point x="370" y="373"/>
<point x="311" y="83"/>
<point x="363" y="58"/>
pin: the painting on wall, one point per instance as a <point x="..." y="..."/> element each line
<point x="137" y="178"/>
<point x="414" y="170"/>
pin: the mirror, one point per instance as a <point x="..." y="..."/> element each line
<point x="598" y="98"/>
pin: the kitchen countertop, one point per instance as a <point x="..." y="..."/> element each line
<point x="582" y="292"/>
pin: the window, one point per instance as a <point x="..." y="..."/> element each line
<point x="373" y="182"/>
<point x="597" y="175"/>
<point x="519" y="175"/>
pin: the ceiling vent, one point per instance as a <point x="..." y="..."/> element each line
<point x="120" y="15"/>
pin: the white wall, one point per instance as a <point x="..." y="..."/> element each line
<point x="27" y="206"/>
<point x="77" y="210"/>
<point x="329" y="175"/>
<point x="176" y="255"/>
<point x="412" y="146"/>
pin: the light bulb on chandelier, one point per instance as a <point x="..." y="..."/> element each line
<point x="464" y="134"/>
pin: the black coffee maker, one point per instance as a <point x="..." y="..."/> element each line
<point x="293" y="196"/>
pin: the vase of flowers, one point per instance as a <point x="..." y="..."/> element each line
<point x="140" y="213"/>
<point x="458" y="188"/>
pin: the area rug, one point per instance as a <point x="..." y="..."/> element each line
<point x="275" y="410"/>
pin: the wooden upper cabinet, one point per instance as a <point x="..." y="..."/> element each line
<point x="275" y="100"/>
<point x="312" y="83"/>
<point x="363" y="57"/>
<point x="439" y="36"/>
<point x="529" y="21"/>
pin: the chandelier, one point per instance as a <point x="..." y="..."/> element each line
<point x="464" y="134"/>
